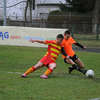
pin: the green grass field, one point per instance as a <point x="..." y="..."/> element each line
<point x="60" y="85"/>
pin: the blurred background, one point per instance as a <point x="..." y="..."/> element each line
<point x="82" y="17"/>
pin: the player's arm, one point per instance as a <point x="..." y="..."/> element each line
<point x="38" y="41"/>
<point x="77" y="44"/>
<point x="63" y="52"/>
<point x="80" y="45"/>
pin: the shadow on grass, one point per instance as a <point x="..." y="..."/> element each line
<point x="74" y="75"/>
<point x="97" y="79"/>
<point x="64" y="75"/>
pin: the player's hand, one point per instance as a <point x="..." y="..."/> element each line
<point x="32" y="40"/>
<point x="67" y="57"/>
<point x="84" y="47"/>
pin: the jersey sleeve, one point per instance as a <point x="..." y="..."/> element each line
<point x="73" y="41"/>
<point x="62" y="44"/>
<point x="48" y="42"/>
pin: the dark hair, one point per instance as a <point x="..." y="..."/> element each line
<point x="60" y="36"/>
<point x="67" y="32"/>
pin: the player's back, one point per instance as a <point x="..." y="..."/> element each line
<point x="68" y="46"/>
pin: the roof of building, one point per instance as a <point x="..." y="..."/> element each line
<point x="50" y="4"/>
<point x="50" y="1"/>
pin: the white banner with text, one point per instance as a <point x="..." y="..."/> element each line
<point x="20" y="36"/>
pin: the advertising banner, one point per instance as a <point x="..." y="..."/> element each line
<point x="20" y="36"/>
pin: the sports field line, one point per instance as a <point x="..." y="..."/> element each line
<point x="95" y="99"/>
<point x="15" y="72"/>
<point x="57" y="74"/>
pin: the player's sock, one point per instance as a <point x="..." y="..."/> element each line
<point x="30" y="70"/>
<point x="82" y="70"/>
<point x="72" y="68"/>
<point x="48" y="71"/>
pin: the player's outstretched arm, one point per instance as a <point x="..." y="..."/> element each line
<point x="38" y="41"/>
<point x="80" y="45"/>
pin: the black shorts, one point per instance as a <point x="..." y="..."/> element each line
<point x="75" y="57"/>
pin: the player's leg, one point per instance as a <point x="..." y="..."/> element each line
<point x="80" y="66"/>
<point x="70" y="61"/>
<point x="32" y="69"/>
<point x="79" y="63"/>
<point x="50" y="69"/>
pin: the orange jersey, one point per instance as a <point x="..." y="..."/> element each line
<point x="67" y="44"/>
<point x="53" y="49"/>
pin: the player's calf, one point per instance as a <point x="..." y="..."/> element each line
<point x="70" y="69"/>
<point x="51" y="66"/>
<point x="82" y="70"/>
<point x="30" y="70"/>
<point x="75" y="67"/>
<point x="79" y="63"/>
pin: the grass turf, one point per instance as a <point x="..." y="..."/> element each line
<point x="59" y="86"/>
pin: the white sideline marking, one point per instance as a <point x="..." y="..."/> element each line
<point x="15" y="72"/>
<point x="95" y="99"/>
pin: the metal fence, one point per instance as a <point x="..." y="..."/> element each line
<point x="82" y="27"/>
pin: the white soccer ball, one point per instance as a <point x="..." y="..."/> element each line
<point x="90" y="73"/>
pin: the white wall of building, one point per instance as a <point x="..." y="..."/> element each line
<point x="17" y="12"/>
<point x="46" y="10"/>
<point x="13" y="13"/>
<point x="1" y="10"/>
<point x="50" y="1"/>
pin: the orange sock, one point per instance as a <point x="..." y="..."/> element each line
<point x="48" y="72"/>
<point x="30" y="70"/>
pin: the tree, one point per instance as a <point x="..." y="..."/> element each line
<point x="30" y="4"/>
<point x="96" y="14"/>
<point x="79" y="5"/>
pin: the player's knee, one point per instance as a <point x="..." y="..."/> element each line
<point x="36" y="66"/>
<point x="82" y="65"/>
<point x="65" y="60"/>
<point x="52" y="66"/>
<point x="39" y="64"/>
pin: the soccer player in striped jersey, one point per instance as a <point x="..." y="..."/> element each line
<point x="49" y="60"/>
<point x="76" y="63"/>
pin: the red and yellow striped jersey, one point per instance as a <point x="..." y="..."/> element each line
<point x="53" y="49"/>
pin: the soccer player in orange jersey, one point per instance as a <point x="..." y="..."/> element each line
<point x="49" y="60"/>
<point x="76" y="63"/>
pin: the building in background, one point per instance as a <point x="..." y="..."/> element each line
<point x="15" y="8"/>
<point x="1" y="9"/>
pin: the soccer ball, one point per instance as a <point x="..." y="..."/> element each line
<point x="90" y="73"/>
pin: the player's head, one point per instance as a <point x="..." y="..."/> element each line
<point x="67" y="34"/>
<point x="59" y="38"/>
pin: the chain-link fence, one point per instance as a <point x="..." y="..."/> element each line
<point x="82" y="29"/>
<point x="83" y="26"/>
